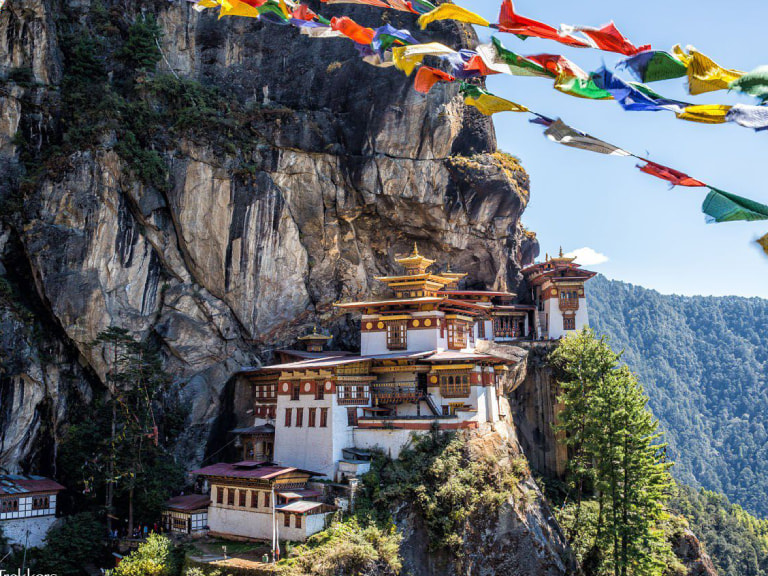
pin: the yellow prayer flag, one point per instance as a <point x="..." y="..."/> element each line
<point x="763" y="243"/>
<point x="237" y="8"/>
<point x="489" y="104"/>
<point x="201" y="5"/>
<point x="706" y="113"/>
<point x="452" y="12"/>
<point x="406" y="58"/>
<point x="704" y="74"/>
<point x="284" y="8"/>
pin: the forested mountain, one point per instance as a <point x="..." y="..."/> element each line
<point x="703" y="362"/>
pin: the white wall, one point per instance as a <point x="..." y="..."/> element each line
<point x="25" y="509"/>
<point x="250" y="524"/>
<point x="16" y="530"/>
<point x="556" y="330"/>
<point x="311" y="524"/>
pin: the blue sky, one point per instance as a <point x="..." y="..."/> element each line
<point x="651" y="235"/>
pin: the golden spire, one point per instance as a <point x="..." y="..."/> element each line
<point x="561" y="251"/>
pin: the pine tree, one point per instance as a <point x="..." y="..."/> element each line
<point x="615" y="454"/>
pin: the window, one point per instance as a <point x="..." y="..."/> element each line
<point x="319" y="391"/>
<point x="242" y="494"/>
<point x="288" y="417"/>
<point x="397" y="335"/>
<point x="298" y="521"/>
<point x="230" y="496"/>
<point x="457" y="335"/>
<point x="220" y="495"/>
<point x="351" y="416"/>
<point x="295" y="390"/>
<point x="569" y="299"/>
<point x="312" y="417"/>
<point x="509" y="326"/>
<point x="287" y="520"/>
<point x="454" y="385"/>
<point x="569" y="323"/>
<point x="254" y="499"/>
<point x="266" y="499"/>
<point x="323" y="417"/>
<point x="481" y="329"/>
<point x="9" y="505"/>
<point x="41" y="503"/>
<point x="299" y="417"/>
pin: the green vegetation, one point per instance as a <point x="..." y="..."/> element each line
<point x="617" y="483"/>
<point x="704" y="363"/>
<point x="736" y="540"/>
<point x="155" y="557"/>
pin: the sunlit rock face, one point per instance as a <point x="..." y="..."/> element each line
<point x="243" y="250"/>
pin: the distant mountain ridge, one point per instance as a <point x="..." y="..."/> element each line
<point x="704" y="364"/>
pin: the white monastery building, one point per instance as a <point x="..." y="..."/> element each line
<point x="27" y="508"/>
<point x="320" y="412"/>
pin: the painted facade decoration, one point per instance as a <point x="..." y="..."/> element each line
<point x="27" y="508"/>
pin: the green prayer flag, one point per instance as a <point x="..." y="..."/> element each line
<point x="518" y="65"/>
<point x="581" y="87"/>
<point x="754" y="83"/>
<point x="720" y="206"/>
<point x="664" y="66"/>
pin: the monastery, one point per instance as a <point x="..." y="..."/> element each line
<point x="318" y="413"/>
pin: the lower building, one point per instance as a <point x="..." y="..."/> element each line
<point x="260" y="501"/>
<point x="27" y="508"/>
<point x="187" y="514"/>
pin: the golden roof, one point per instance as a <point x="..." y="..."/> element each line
<point x="415" y="260"/>
<point x="562" y="258"/>
<point x="315" y="336"/>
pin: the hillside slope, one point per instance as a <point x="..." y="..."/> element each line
<point x="704" y="364"/>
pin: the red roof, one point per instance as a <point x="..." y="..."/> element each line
<point x="18" y="484"/>
<point x="189" y="502"/>
<point x="255" y="472"/>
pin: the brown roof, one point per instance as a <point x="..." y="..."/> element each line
<point x="248" y="471"/>
<point x="188" y="502"/>
<point x="18" y="484"/>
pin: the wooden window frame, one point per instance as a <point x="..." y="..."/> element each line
<point x="295" y="391"/>
<point x="569" y="322"/>
<point x="254" y="499"/>
<point x="230" y="496"/>
<point x="267" y="499"/>
<point x="312" y="417"/>
<point x="351" y="416"/>
<point x="323" y="417"/>
<point x="220" y="495"/>
<point x="299" y="417"/>
<point x="288" y="416"/>
<point x="455" y="385"/>
<point x="297" y="521"/>
<point x="397" y="335"/>
<point x="287" y="521"/>
<point x="457" y="335"/>
<point x="320" y="391"/>
<point x="242" y="498"/>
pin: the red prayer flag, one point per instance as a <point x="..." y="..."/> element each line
<point x="476" y="63"/>
<point x="669" y="174"/>
<point x="515" y="24"/>
<point x="303" y="13"/>
<point x="427" y="77"/>
<point x="609" y="38"/>
<point x="353" y="30"/>
<point x="556" y="65"/>
<point x="254" y="3"/>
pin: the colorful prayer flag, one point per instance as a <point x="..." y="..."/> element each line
<point x="634" y="97"/>
<point x="486" y="102"/>
<point x="763" y="242"/>
<point x="607" y="38"/>
<point x="581" y="87"/>
<point x="497" y="58"/>
<point x="427" y="77"/>
<point x="704" y="74"/>
<point x="563" y="134"/>
<point x="353" y="30"/>
<point x="754" y="83"/>
<point x="720" y="206"/>
<point x="237" y="8"/>
<point x="755" y="117"/>
<point x="408" y="57"/>
<point x="705" y="113"/>
<point x="451" y="12"/>
<point x="513" y="23"/>
<point x="668" y="174"/>
<point x="654" y="66"/>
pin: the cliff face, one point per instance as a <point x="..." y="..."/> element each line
<point x="321" y="169"/>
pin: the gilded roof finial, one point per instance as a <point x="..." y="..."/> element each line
<point x="415" y="249"/>
<point x="561" y="251"/>
<point x="546" y="257"/>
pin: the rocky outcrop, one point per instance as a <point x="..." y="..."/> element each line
<point x="331" y="168"/>
<point x="520" y="538"/>
<point x="689" y="550"/>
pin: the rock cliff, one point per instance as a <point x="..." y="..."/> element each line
<point x="219" y="240"/>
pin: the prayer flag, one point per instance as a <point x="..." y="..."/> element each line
<point x="666" y="173"/>
<point x="634" y="97"/>
<point x="451" y="12"/>
<point x="754" y="83"/>
<point x="237" y="8"/>
<point x="408" y="57"/>
<point x="654" y="66"/>
<point x="720" y="206"/>
<point x="705" y="113"/>
<point x="563" y="134"/>
<point x="513" y="23"/>
<point x="377" y="3"/>
<point x="499" y="59"/>
<point x="427" y="77"/>
<point x="421" y="6"/>
<point x="763" y="243"/>
<point x="353" y="30"/>
<point x="704" y="74"/>
<point x="386" y="36"/>
<point x="581" y="87"/>
<point x="755" y="117"/>
<point x="607" y="38"/>
<point x="486" y="102"/>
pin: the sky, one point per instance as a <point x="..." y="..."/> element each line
<point x="628" y="225"/>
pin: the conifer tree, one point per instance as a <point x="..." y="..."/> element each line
<point x="615" y="454"/>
